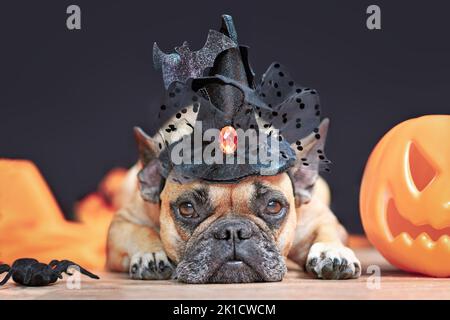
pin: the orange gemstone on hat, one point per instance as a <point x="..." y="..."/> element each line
<point x="228" y="139"/>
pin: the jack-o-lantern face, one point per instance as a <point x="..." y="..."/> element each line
<point x="405" y="196"/>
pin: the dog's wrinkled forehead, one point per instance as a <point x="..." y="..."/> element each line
<point x="230" y="195"/>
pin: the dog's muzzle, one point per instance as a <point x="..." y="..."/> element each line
<point x="231" y="250"/>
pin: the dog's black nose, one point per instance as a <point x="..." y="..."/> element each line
<point x="233" y="230"/>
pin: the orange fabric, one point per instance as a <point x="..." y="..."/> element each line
<point x="32" y="225"/>
<point x="405" y="196"/>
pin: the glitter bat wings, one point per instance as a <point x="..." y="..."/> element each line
<point x="215" y="85"/>
<point x="185" y="64"/>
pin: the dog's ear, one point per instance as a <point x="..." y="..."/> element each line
<point x="149" y="177"/>
<point x="309" y="153"/>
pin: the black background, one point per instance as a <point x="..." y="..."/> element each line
<point x="69" y="99"/>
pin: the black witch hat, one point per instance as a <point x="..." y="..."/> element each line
<point x="213" y="88"/>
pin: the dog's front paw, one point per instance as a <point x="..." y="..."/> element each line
<point x="332" y="261"/>
<point x="150" y="266"/>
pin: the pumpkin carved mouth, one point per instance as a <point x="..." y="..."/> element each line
<point x="398" y="224"/>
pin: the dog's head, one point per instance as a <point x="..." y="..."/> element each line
<point x="229" y="232"/>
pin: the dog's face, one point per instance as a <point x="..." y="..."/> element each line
<point x="236" y="232"/>
<point x="227" y="233"/>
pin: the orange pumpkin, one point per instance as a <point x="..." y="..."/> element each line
<point x="405" y="196"/>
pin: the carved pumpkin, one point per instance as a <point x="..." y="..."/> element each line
<point x="405" y="196"/>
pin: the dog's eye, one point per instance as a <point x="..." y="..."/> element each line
<point x="186" y="209"/>
<point x="274" y="207"/>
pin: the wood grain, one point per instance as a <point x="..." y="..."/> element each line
<point x="394" y="284"/>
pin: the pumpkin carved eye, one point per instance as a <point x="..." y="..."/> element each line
<point x="421" y="171"/>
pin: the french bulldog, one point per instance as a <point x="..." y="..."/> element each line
<point x="202" y="232"/>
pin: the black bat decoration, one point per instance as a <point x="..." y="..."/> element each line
<point x="185" y="64"/>
<point x="32" y="273"/>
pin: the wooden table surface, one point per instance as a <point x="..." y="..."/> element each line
<point x="393" y="284"/>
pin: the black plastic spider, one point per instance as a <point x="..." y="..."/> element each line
<point x="30" y="272"/>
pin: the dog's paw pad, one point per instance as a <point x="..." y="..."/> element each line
<point x="150" y="266"/>
<point x="332" y="262"/>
